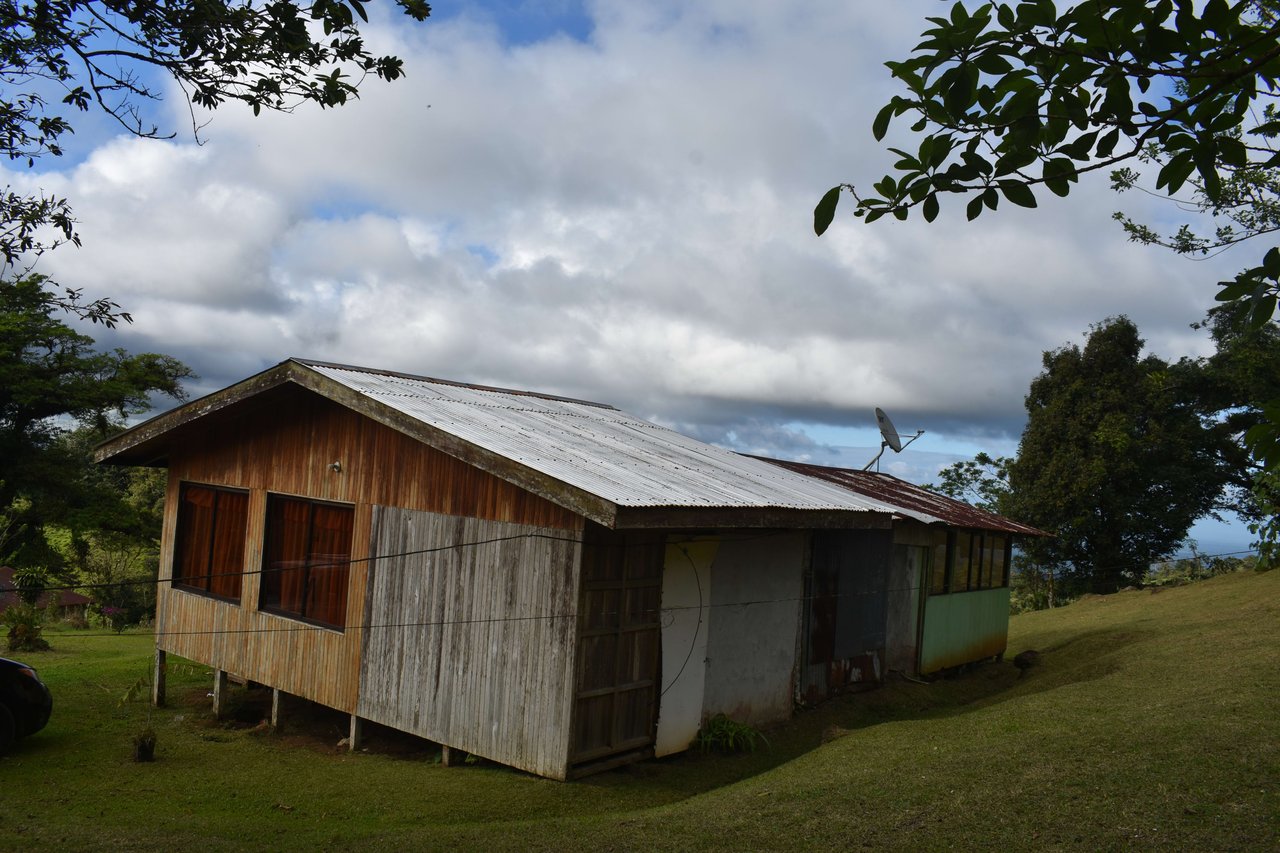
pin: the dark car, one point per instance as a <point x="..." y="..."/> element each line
<point x="25" y="703"/>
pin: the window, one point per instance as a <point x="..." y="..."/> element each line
<point x="209" y="556"/>
<point x="970" y="559"/>
<point x="938" y="565"/>
<point x="960" y="561"/>
<point x="305" y="560"/>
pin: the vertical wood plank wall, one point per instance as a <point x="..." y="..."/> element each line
<point x="285" y="442"/>
<point x="473" y="647"/>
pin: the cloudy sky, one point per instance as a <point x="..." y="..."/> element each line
<point x="613" y="200"/>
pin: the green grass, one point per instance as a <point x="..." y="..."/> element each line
<point x="1152" y="721"/>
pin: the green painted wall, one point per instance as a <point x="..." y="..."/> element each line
<point x="964" y="627"/>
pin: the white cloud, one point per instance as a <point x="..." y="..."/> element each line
<point x="625" y="218"/>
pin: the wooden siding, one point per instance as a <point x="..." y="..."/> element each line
<point x="473" y="647"/>
<point x="286" y="442"/>
<point x="319" y="664"/>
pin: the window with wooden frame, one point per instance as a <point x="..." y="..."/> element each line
<point x="208" y="556"/>
<point x="938" y="562"/>
<point x="973" y="560"/>
<point x="305" y="560"/>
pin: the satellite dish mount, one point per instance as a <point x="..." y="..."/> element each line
<point x="891" y="438"/>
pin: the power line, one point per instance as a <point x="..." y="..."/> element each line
<point x="679" y="544"/>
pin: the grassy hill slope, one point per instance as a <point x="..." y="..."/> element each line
<point x="1152" y="721"/>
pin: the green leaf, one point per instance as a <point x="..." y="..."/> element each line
<point x="825" y="211"/>
<point x="1263" y="310"/>
<point x="1018" y="193"/>
<point x="1206" y="161"/>
<point x="930" y="207"/>
<point x="880" y="126"/>
<point x="1271" y="262"/>
<point x="990" y="62"/>
<point x="1175" y="172"/>
<point x="974" y="208"/>
<point x="1107" y="143"/>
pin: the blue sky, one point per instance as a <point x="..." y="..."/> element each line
<point x="613" y="201"/>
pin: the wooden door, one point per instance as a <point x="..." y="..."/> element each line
<point x="619" y="635"/>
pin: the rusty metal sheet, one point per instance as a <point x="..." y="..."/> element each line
<point x="917" y="502"/>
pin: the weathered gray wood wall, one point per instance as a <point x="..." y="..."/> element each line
<point x="473" y="647"/>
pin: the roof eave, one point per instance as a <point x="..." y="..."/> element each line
<point x="676" y="517"/>
<point x="130" y="446"/>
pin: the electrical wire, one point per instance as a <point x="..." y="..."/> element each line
<point x="700" y="607"/>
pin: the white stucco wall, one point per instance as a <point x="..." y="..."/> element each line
<point x="686" y="609"/>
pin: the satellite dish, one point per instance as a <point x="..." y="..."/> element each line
<point x="887" y="430"/>
<point x="891" y="438"/>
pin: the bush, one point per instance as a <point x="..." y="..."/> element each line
<point x="26" y="624"/>
<point x="721" y="734"/>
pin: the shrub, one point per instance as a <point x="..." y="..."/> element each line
<point x="25" y="623"/>
<point x="721" y="734"/>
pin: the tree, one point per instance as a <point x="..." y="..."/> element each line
<point x="1227" y="387"/>
<point x="110" y="539"/>
<point x="1012" y="99"/>
<point x="1016" y="98"/>
<point x="60" y="56"/>
<point x="1115" y="460"/>
<point x="982" y="481"/>
<point x="51" y="378"/>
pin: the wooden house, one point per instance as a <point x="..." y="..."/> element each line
<point x="66" y="603"/>
<point x="548" y="583"/>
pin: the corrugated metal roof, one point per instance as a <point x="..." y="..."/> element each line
<point x="915" y="501"/>
<point x="605" y="452"/>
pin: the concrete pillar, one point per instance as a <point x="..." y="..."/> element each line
<point x="451" y="757"/>
<point x="158" y="679"/>
<point x="357" y="733"/>
<point x="219" y="693"/>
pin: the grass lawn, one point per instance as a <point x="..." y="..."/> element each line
<point x="1152" y="721"/>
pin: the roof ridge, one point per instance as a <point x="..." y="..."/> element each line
<point x="450" y="382"/>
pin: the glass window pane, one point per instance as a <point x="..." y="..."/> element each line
<point x="987" y="563"/>
<point x="227" y="563"/>
<point x="938" y="571"/>
<point x="195" y="531"/>
<point x="209" y="549"/>
<point x="999" y="547"/>
<point x="306" y="559"/>
<point x="961" y="561"/>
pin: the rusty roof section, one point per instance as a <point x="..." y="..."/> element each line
<point x="920" y="501"/>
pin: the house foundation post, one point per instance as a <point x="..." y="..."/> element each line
<point x="452" y="757"/>
<point x="219" y="693"/>
<point x="356" y="735"/>
<point x="275" y="709"/>
<point x="157" y="679"/>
